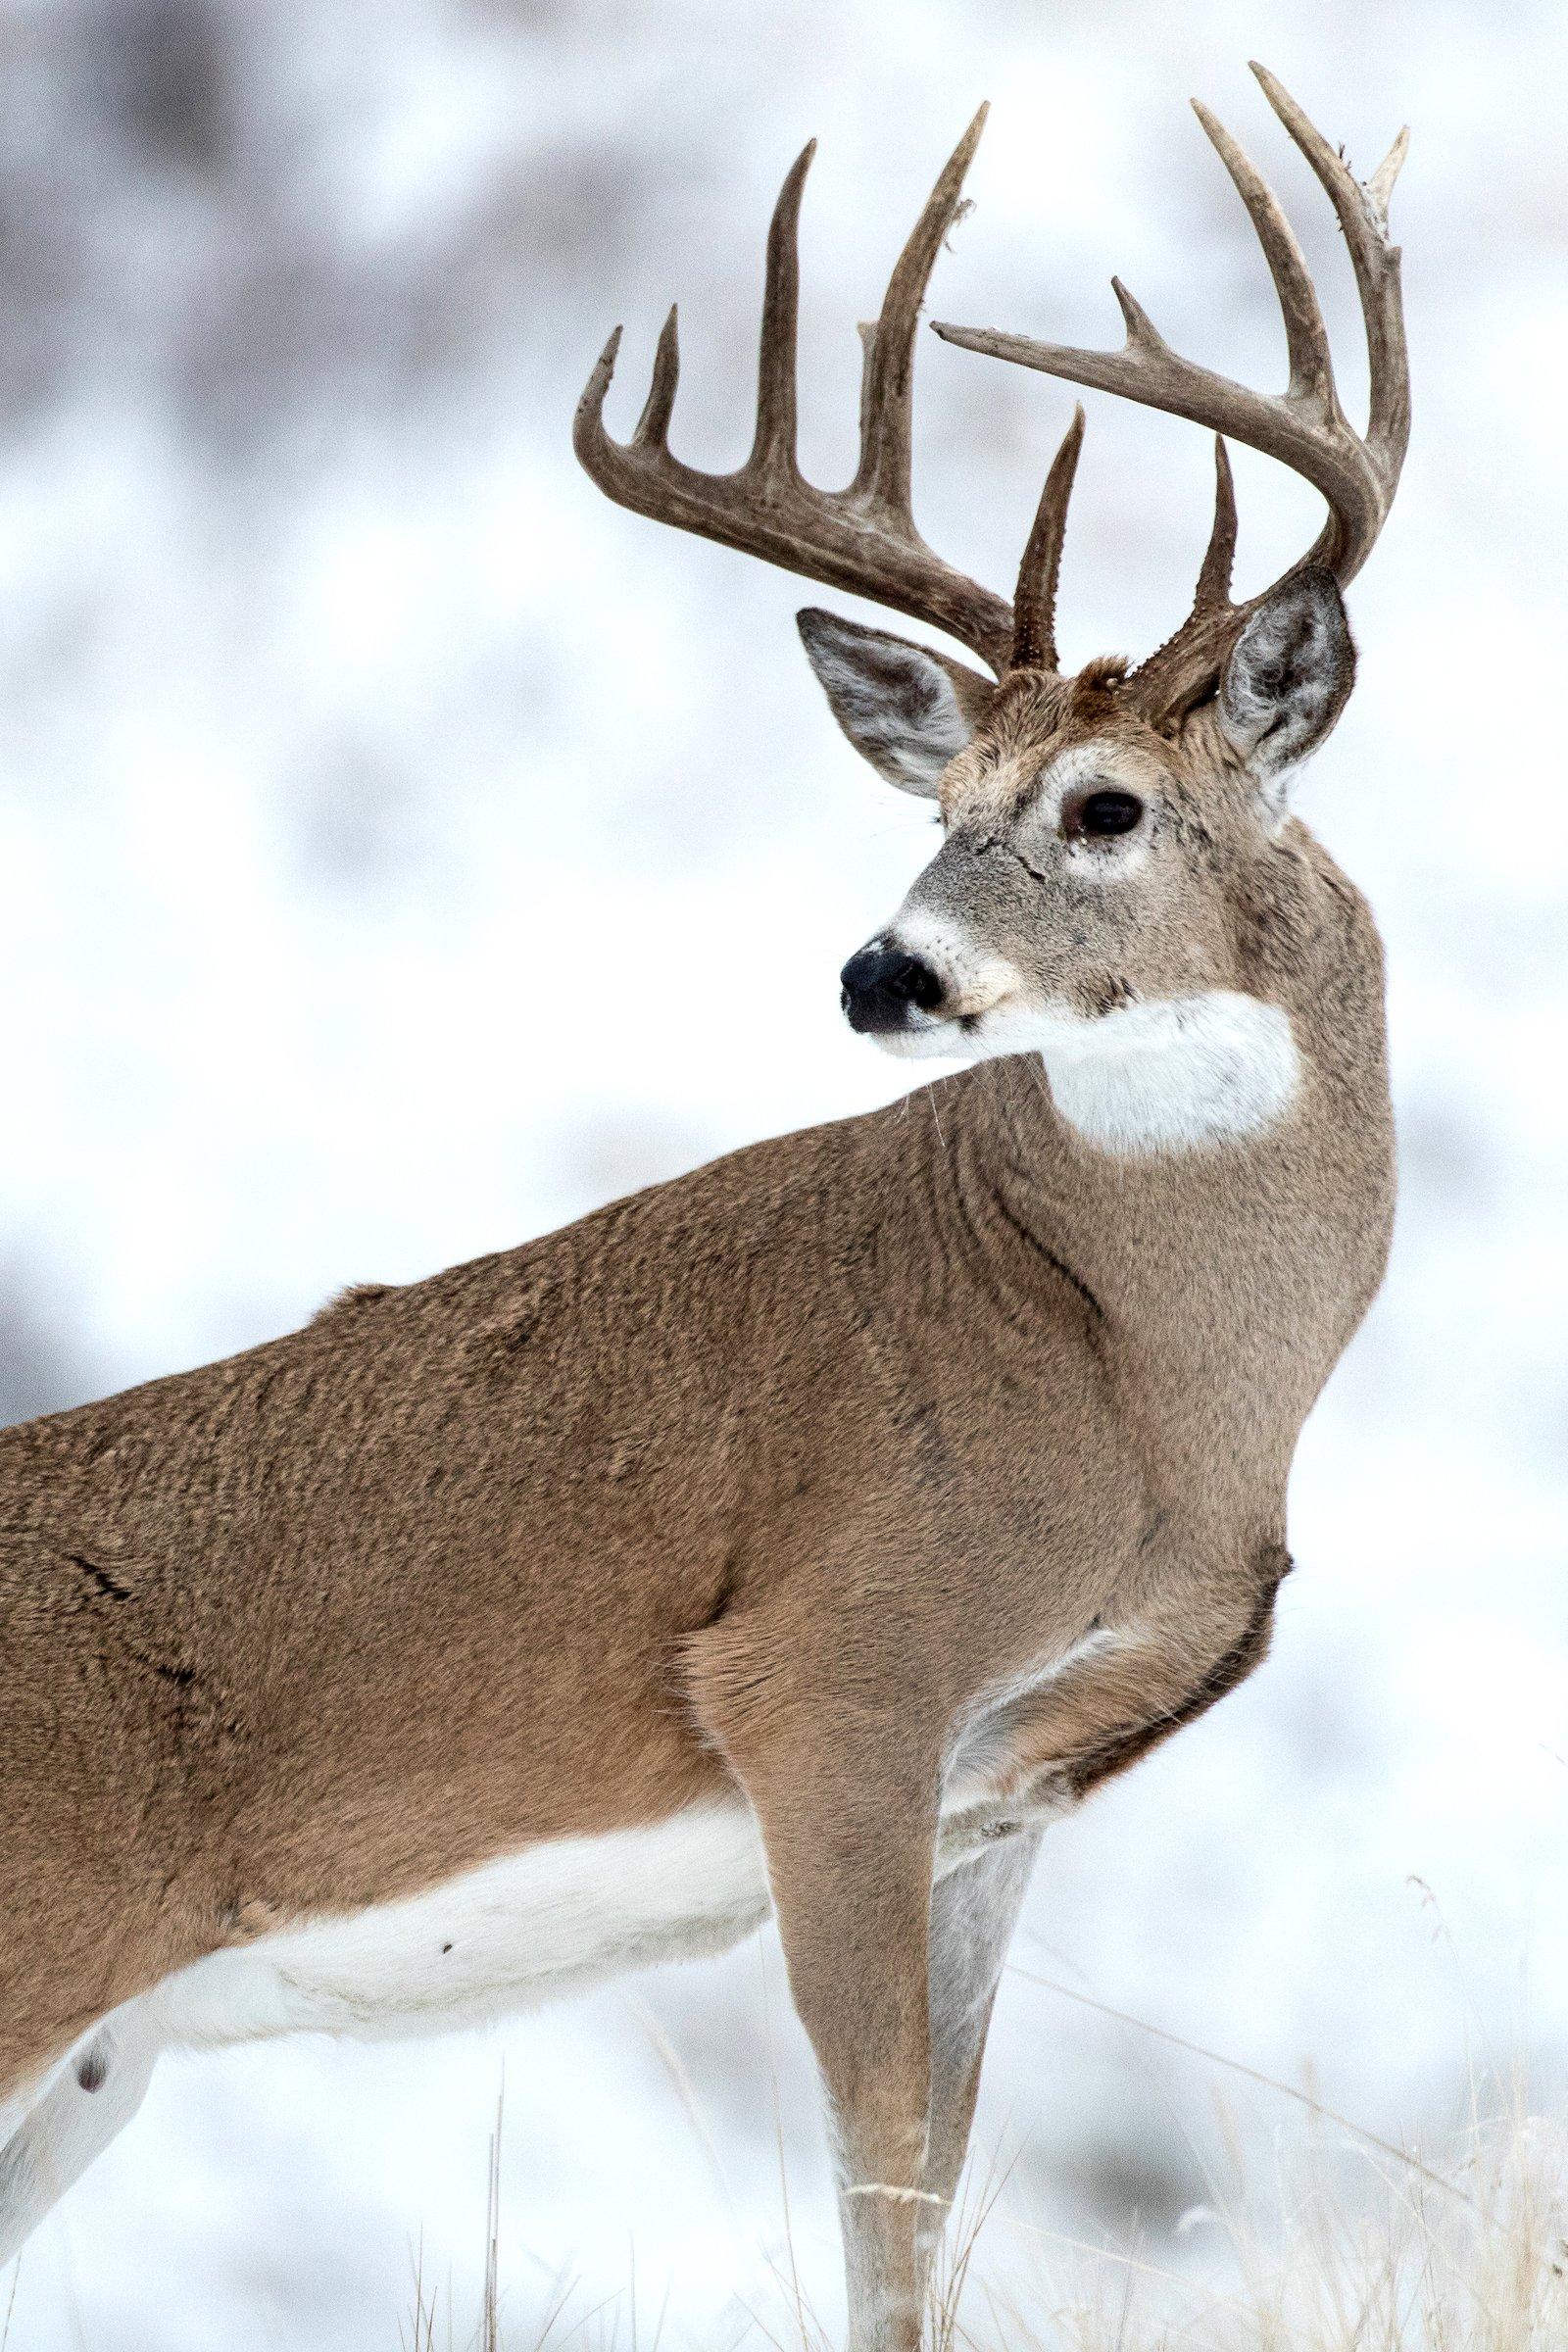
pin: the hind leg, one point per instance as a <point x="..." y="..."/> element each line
<point x="86" y="2102"/>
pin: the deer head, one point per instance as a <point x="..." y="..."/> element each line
<point x="1109" y="836"/>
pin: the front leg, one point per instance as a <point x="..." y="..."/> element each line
<point x="846" y="1787"/>
<point x="851" y="1871"/>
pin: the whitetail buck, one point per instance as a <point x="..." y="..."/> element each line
<point x="805" y="1534"/>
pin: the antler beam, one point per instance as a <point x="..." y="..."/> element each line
<point x="862" y="539"/>
<point x="1303" y="426"/>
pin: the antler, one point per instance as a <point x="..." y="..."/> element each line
<point x="1303" y="426"/>
<point x="862" y="539"/>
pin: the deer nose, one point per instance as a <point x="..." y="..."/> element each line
<point x="881" y="983"/>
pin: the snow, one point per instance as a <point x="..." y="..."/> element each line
<point x="384" y="818"/>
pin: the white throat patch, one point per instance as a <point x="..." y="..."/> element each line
<point x="1165" y="1076"/>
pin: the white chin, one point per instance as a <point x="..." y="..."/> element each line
<point x="938" y="1040"/>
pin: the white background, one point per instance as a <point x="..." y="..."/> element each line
<point x="403" y="850"/>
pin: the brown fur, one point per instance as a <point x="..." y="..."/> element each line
<point x="783" y="1477"/>
<point x="773" y="1471"/>
<point x="1066" y="1398"/>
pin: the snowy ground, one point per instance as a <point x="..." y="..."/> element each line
<point x="339" y="718"/>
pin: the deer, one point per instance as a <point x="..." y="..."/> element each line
<point x="800" y="1537"/>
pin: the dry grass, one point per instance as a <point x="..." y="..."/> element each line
<point x="1470" y="2260"/>
<point x="1469" y="2257"/>
<point x="1341" y="2241"/>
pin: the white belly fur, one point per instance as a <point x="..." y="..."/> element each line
<point x="517" y="1931"/>
<point x="520" y="1930"/>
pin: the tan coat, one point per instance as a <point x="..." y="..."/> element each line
<point x="510" y="1553"/>
<point x="854" y="1504"/>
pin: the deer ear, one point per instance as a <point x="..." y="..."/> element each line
<point x="904" y="709"/>
<point x="1288" y="678"/>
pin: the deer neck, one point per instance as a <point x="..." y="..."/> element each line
<point x="1228" y="1275"/>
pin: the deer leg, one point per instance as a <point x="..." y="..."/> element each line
<point x="973" y="1912"/>
<point x="846" y="1787"/>
<point x="854" y="1918"/>
<point x="90" y="2099"/>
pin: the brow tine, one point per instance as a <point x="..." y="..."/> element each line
<point x="1034" y="606"/>
<point x="1214" y="576"/>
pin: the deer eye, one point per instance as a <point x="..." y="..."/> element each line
<point x="1105" y="812"/>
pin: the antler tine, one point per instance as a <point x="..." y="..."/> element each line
<point x="1364" y="214"/>
<point x="862" y="539"/>
<point x="888" y="381"/>
<point x="1304" y="426"/>
<point x="1213" y="590"/>
<point x="652" y="425"/>
<point x="1146" y="371"/>
<point x="1034" y="604"/>
<point x="1307" y="338"/>
<point x="1307" y="434"/>
<point x="773" y="448"/>
<point x="1380" y="187"/>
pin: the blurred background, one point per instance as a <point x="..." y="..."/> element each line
<point x="340" y="716"/>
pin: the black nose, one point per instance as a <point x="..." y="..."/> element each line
<point x="880" y="984"/>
